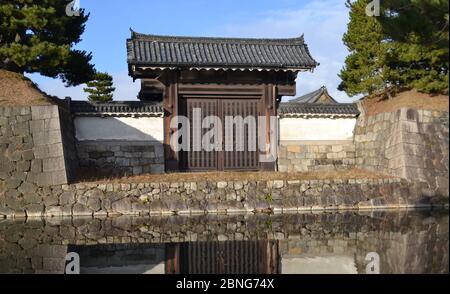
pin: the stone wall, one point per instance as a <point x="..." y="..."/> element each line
<point x="302" y="157"/>
<point x="121" y="158"/>
<point x="408" y="143"/>
<point x="52" y="168"/>
<point x="102" y="199"/>
<point x="31" y="156"/>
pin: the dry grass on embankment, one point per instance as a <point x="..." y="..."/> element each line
<point x="17" y="90"/>
<point x="411" y="99"/>
<point x="244" y="176"/>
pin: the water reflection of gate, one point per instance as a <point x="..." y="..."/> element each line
<point x="233" y="257"/>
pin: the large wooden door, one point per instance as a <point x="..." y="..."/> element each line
<point x="200" y="160"/>
<point x="236" y="159"/>
<point x="223" y="160"/>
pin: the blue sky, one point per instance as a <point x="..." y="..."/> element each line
<point x="322" y="21"/>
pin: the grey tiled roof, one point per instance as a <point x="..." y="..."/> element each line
<point x="287" y="109"/>
<point x="118" y="108"/>
<point x="313" y="97"/>
<point x="222" y="53"/>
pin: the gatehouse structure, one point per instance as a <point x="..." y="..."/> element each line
<point x="222" y="77"/>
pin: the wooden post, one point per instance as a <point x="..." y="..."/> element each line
<point x="171" y="111"/>
<point x="268" y="110"/>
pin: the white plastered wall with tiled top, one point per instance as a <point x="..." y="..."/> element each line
<point x="120" y="128"/>
<point x="119" y="145"/>
<point x="316" y="143"/>
<point x="316" y="129"/>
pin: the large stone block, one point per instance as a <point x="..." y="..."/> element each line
<point x="44" y="179"/>
<point x="95" y="204"/>
<point x="41" y="152"/>
<point x="23" y="166"/>
<point x="54" y="211"/>
<point x="36" y="166"/>
<point x="37" y="126"/>
<point x="3" y="121"/>
<point x="59" y="177"/>
<point x="51" y="199"/>
<point x="67" y="198"/>
<point x="27" y="188"/>
<point x="27" y="154"/>
<point x="44" y="112"/>
<point x="123" y="206"/>
<point x="55" y="150"/>
<point x="20" y="129"/>
<point x="47" y="137"/>
<point x="52" y="124"/>
<point x="53" y="164"/>
<point x="81" y="210"/>
<point x="13" y="183"/>
<point x="34" y="210"/>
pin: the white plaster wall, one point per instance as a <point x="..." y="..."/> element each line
<point x="146" y="269"/>
<point x="319" y="265"/>
<point x="316" y="129"/>
<point x="119" y="128"/>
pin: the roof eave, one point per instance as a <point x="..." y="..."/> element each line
<point x="134" y="66"/>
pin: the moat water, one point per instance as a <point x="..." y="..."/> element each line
<point x="343" y="243"/>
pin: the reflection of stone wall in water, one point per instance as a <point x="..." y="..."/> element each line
<point x="421" y="248"/>
<point x="121" y="258"/>
<point x="406" y="242"/>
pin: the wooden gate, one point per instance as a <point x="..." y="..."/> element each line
<point x="244" y="159"/>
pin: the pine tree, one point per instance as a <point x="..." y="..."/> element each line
<point x="365" y="70"/>
<point x="38" y="36"/>
<point x="101" y="88"/>
<point x="404" y="48"/>
<point x="420" y="31"/>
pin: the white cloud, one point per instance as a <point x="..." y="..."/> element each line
<point x="323" y="22"/>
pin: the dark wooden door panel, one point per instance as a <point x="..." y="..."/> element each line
<point x="238" y="159"/>
<point x="200" y="160"/>
<point x="222" y="160"/>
